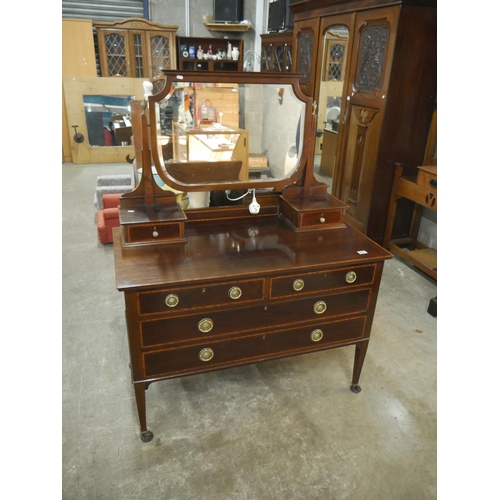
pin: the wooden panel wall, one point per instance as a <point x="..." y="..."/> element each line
<point x="78" y="60"/>
<point x="74" y="90"/>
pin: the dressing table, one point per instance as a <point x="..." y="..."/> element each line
<point x="274" y="272"/>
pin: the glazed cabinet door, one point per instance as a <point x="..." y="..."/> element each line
<point x="114" y="53"/>
<point x="139" y="65"/>
<point x="374" y="39"/>
<point x="276" y="52"/>
<point x="305" y="52"/>
<point x="161" y="54"/>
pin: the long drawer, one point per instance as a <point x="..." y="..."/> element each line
<point x="275" y="315"/>
<point x="320" y="281"/>
<point x="211" y="354"/>
<point x="173" y="300"/>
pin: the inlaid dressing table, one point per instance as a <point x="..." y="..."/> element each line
<point x="271" y="274"/>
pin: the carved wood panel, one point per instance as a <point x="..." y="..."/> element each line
<point x="360" y="162"/>
<point x="374" y="40"/>
<point x="306" y="53"/>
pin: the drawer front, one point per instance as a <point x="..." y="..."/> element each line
<point x="427" y="180"/>
<point x="253" y="348"/>
<point x="154" y="232"/>
<point x="321" y="218"/>
<point x="179" y="299"/>
<point x="322" y="281"/>
<point x="215" y="323"/>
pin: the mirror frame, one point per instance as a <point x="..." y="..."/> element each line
<point x="173" y="76"/>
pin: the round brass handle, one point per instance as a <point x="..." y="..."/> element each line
<point x="205" y="325"/>
<point x="206" y="354"/>
<point x="320" y="307"/>
<point x="322" y="219"/>
<point x="235" y="292"/>
<point x="155" y="233"/>
<point x="316" y="335"/>
<point x="298" y="285"/>
<point x="351" y="277"/>
<point x="171" y="300"/>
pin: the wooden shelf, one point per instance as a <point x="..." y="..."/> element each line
<point x="227" y="27"/>
<point x="211" y="26"/>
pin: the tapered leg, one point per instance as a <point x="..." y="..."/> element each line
<point x="359" y="358"/>
<point x="140" y="399"/>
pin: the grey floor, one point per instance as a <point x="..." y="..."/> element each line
<point x="286" y="429"/>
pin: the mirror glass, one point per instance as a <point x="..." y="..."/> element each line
<point x="229" y="132"/>
<point x="335" y="45"/>
<point x="108" y="119"/>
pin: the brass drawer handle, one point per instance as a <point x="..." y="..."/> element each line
<point x="351" y="277"/>
<point x="205" y="325"/>
<point x="206" y="354"/>
<point x="171" y="300"/>
<point x="298" y="285"/>
<point x="155" y="233"/>
<point x="235" y="292"/>
<point x="316" y="335"/>
<point x="320" y="307"/>
<point x="322" y="219"/>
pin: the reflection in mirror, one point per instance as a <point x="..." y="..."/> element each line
<point x="108" y="119"/>
<point x="240" y="132"/>
<point x="335" y="45"/>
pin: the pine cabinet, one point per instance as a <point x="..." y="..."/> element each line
<point x="386" y="70"/>
<point x="136" y="48"/>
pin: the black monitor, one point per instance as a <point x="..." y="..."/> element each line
<point x="228" y="11"/>
<point x="280" y="17"/>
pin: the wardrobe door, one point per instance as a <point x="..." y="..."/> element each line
<point x="374" y="39"/>
<point x="331" y="87"/>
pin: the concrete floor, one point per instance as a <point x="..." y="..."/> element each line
<point x="280" y="430"/>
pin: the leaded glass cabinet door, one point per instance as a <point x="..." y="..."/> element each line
<point x="116" y="53"/>
<point x="276" y="52"/>
<point x="161" y="51"/>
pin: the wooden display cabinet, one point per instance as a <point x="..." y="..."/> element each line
<point x="136" y="48"/>
<point x="189" y="60"/>
<point x="276" y="52"/>
<point x="274" y="273"/>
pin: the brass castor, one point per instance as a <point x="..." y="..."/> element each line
<point x="146" y="436"/>
<point x="355" y="388"/>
